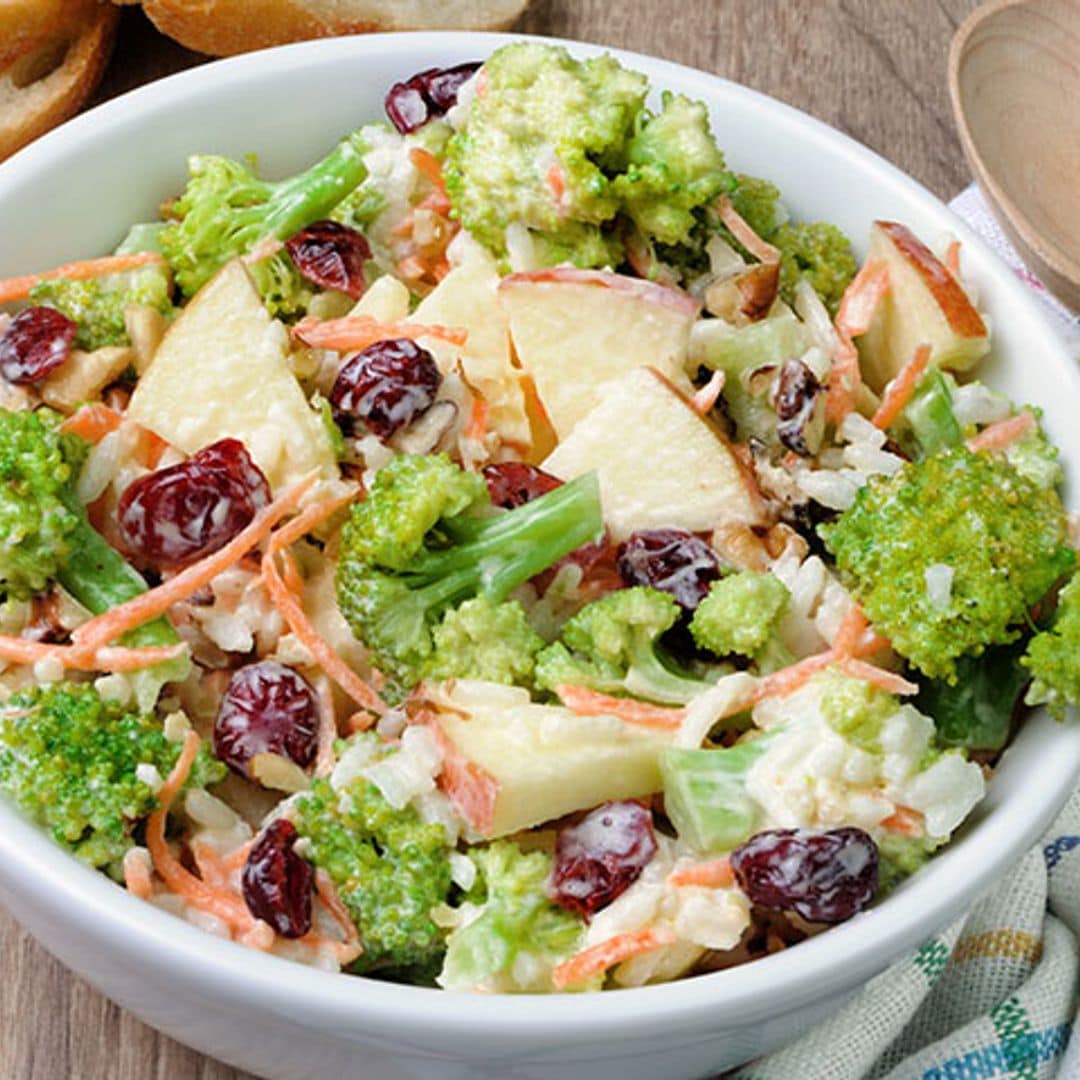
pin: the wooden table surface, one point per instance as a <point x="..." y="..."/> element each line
<point x="873" y="68"/>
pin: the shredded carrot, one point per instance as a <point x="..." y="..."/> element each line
<point x="746" y="236"/>
<point x="952" y="258"/>
<point x="292" y="610"/>
<point x="115" y="623"/>
<point x="438" y="201"/>
<point x="235" y="859"/>
<point x="478" y="420"/>
<point x="260" y="936"/>
<point x="360" y="331"/>
<point x="328" y="731"/>
<point x="615" y="950"/>
<point x="17" y="650"/>
<point x="290" y="573"/>
<point x="92" y="422"/>
<point x="1002" y="434"/>
<point x="212" y="868"/>
<point x="473" y="791"/>
<point x="901" y="388"/>
<point x="857" y="307"/>
<point x="851" y="628"/>
<point x="413" y="268"/>
<point x="328" y="894"/>
<point x="905" y="821"/>
<point x="218" y="902"/>
<point x="591" y="703"/>
<point x="427" y="164"/>
<point x="708" y="395"/>
<point x="137" y="878"/>
<point x="786" y="681"/>
<point x="713" y="874"/>
<point x="18" y="288"/>
<point x="888" y="681"/>
<point x="556" y="181"/>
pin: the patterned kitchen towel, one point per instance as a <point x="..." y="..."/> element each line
<point x="993" y="997"/>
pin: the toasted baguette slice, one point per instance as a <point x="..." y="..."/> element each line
<point x="25" y="24"/>
<point x="224" y="27"/>
<point x="52" y="79"/>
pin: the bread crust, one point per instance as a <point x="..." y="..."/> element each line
<point x="25" y="23"/>
<point x="226" y="27"/>
<point x="29" y="109"/>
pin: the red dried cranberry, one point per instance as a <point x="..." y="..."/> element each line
<point x="671" y="560"/>
<point x="601" y="856"/>
<point x="387" y="387"/>
<point x="180" y="513"/>
<point x="822" y="876"/>
<point x="331" y="255"/>
<point x="513" y="483"/>
<point x="36" y="342"/>
<point x="268" y="708"/>
<point x="428" y="94"/>
<point x="277" y="881"/>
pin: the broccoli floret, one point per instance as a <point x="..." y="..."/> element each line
<point x="757" y="202"/>
<point x="390" y="869"/>
<point x="673" y="168"/>
<point x="1005" y="539"/>
<point x="282" y="287"/>
<point x="1053" y="656"/>
<point x="739" y="613"/>
<point x="900" y="856"/>
<point x="69" y="761"/>
<point x="48" y="537"/>
<point x="507" y="918"/>
<point x="1035" y="457"/>
<point x="225" y="209"/>
<point x="97" y="305"/>
<point x="613" y="645"/>
<point x="818" y="252"/>
<point x="856" y="710"/>
<point x="482" y="640"/>
<point x="427" y="538"/>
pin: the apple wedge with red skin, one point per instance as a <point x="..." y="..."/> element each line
<point x="925" y="304"/>
<point x="576" y="330"/>
<point x="660" y="464"/>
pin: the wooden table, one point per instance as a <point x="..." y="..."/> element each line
<point x="873" y="68"/>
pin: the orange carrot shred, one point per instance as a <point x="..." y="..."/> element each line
<point x="18" y="288"/>
<point x="359" y="331"/>
<point x="427" y="164"/>
<point x="905" y="821"/>
<point x="586" y="702"/>
<point x="92" y="422"/>
<point x="478" y="420"/>
<point x="1003" y="433"/>
<point x="746" y="236"/>
<point x="857" y="306"/>
<point x="888" y="681"/>
<point x="137" y="878"/>
<point x="17" y="650"/>
<point x="471" y="789"/>
<point x="615" y="950"/>
<point x="900" y="389"/>
<point x="952" y="258"/>
<point x="113" y="624"/>
<point x="712" y="874"/>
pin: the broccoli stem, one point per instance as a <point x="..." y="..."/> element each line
<point x="650" y="678"/>
<point x="497" y="554"/>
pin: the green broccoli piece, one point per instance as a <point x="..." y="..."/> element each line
<point x="69" y="761"/>
<point x="818" y="252"/>
<point x="613" y="645"/>
<point x="674" y="167"/>
<point x="283" y="289"/>
<point x="740" y="613"/>
<point x="1053" y="656"/>
<point x="931" y="423"/>
<point x="427" y="538"/>
<point x="483" y="640"/>
<point x="49" y="538"/>
<point x="226" y="210"/>
<point x="757" y="202"/>
<point x="509" y="918"/>
<point x="1005" y="539"/>
<point x="901" y="856"/>
<point x="390" y="869"/>
<point x="1035" y="457"/>
<point x="856" y="710"/>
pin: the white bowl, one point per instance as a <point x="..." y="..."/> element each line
<point x="73" y="194"/>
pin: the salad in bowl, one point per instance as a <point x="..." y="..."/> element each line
<point x="514" y="555"/>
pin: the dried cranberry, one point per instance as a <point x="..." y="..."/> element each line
<point x="268" y="708"/>
<point x="822" y="876"/>
<point x="387" y="387"/>
<point x="428" y="94"/>
<point x="796" y="405"/>
<point x="36" y="342"/>
<point x="180" y="513"/>
<point x="671" y="560"/>
<point x="277" y="881"/>
<point x="601" y="856"/>
<point x="331" y="255"/>
<point x="513" y="483"/>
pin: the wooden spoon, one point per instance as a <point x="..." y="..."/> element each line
<point x="1014" y="78"/>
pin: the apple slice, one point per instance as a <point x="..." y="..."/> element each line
<point x="575" y="330"/>
<point x="222" y="370"/>
<point x="386" y="300"/>
<point x="468" y="297"/>
<point x="925" y="305"/>
<point x="515" y="764"/>
<point x="659" y="463"/>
